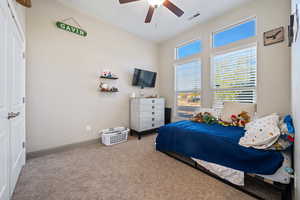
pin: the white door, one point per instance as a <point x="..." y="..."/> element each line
<point x="17" y="107"/>
<point x="12" y="108"/>
<point x="295" y="73"/>
<point x="4" y="108"/>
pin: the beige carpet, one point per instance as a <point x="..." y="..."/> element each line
<point x="128" y="171"/>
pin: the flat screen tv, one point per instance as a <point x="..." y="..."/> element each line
<point x="144" y="78"/>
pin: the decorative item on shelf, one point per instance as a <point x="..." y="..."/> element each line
<point x="105" y="88"/>
<point x="114" y="89"/>
<point x="108" y="75"/>
<point x="274" y="36"/>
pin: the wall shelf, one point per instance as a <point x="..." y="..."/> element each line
<point x="109" y="91"/>
<point x="112" y="78"/>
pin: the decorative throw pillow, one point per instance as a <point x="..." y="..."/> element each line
<point x="287" y="125"/>
<point x="235" y="108"/>
<point x="287" y="136"/>
<point x="261" y="133"/>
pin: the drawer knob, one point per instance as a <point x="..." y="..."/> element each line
<point x="153" y="107"/>
<point x="152" y="125"/>
<point x="153" y="113"/>
<point x="152" y="119"/>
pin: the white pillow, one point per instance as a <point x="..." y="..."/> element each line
<point x="235" y="108"/>
<point x="261" y="133"/>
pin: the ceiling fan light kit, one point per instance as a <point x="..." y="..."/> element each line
<point x="155" y="4"/>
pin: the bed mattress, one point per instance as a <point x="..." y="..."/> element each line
<point x="281" y="175"/>
<point x="237" y="177"/>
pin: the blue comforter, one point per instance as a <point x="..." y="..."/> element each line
<point x="216" y="144"/>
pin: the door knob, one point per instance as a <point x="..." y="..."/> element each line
<point x="12" y="115"/>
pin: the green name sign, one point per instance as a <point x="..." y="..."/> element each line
<point x="71" y="29"/>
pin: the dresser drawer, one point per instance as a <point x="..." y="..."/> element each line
<point x="145" y="127"/>
<point x="153" y="114"/>
<point x="152" y="119"/>
<point x="159" y="124"/>
<point x="147" y="101"/>
<point x="152" y="102"/>
<point x="152" y="125"/>
<point x="150" y="107"/>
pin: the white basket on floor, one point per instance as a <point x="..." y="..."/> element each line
<point x="114" y="135"/>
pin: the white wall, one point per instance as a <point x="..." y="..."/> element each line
<point x="273" y="61"/>
<point x="62" y="76"/>
<point x="62" y="69"/>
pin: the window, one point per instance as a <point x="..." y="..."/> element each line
<point x="189" y="49"/>
<point x="234" y="76"/>
<point x="233" y="34"/>
<point x="188" y="87"/>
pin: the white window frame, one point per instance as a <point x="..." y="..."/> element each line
<point x="224" y="28"/>
<point x="235" y="46"/>
<point x="184" y="44"/>
<point x="175" y="116"/>
<point x="212" y="77"/>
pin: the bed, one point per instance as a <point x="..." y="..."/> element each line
<point x="198" y="143"/>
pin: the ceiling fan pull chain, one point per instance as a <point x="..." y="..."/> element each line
<point x="158" y="17"/>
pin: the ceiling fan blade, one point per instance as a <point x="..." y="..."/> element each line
<point x="127" y="1"/>
<point x="26" y="3"/>
<point x="149" y="14"/>
<point x="173" y="8"/>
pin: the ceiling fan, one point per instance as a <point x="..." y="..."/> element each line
<point x="155" y="4"/>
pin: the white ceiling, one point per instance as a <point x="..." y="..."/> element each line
<point x="164" y="24"/>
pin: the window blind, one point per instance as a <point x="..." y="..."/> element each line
<point x="188" y="86"/>
<point x="188" y="77"/>
<point x="234" y="76"/>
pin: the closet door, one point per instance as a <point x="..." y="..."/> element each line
<point x="12" y="108"/>
<point x="16" y="64"/>
<point x="4" y="107"/>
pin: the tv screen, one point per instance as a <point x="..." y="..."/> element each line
<point x="144" y="78"/>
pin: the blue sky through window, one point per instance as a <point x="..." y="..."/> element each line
<point x="234" y="34"/>
<point x="189" y="49"/>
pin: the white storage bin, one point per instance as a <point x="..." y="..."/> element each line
<point x="114" y="135"/>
